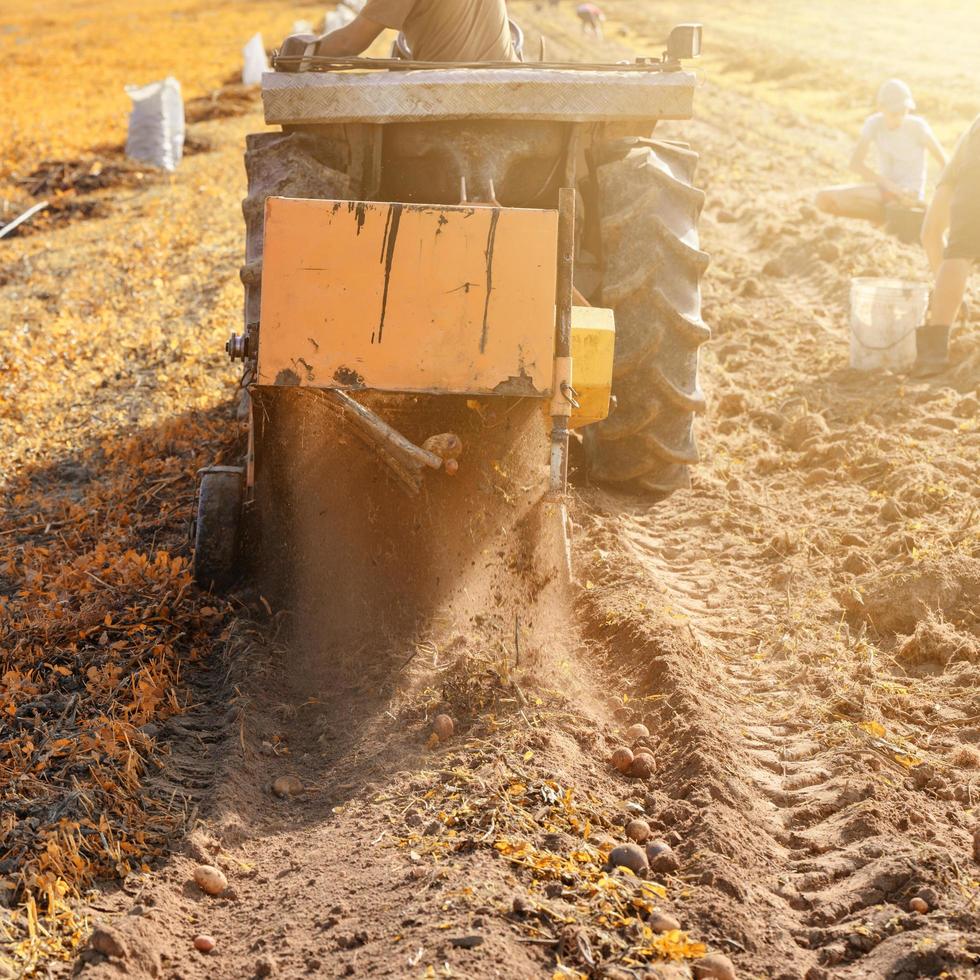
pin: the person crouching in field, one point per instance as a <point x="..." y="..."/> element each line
<point x="592" y="19"/>
<point x="901" y="141"/>
<point x="956" y="206"/>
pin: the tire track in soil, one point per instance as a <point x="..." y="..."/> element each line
<point x="832" y="862"/>
<point x="791" y="837"/>
<point x="196" y="742"/>
<point x="806" y="842"/>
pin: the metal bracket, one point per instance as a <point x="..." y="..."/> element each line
<point x="571" y="395"/>
<point x="365" y="142"/>
<point x="560" y="403"/>
<point x="221" y="469"/>
<point x="238" y="347"/>
<point x="560" y="408"/>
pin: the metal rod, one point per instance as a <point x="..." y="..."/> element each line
<point x="563" y="333"/>
<point x="21" y="218"/>
<point x="326" y="63"/>
<point x="572" y="148"/>
<point x="558" y="474"/>
<point x="383" y="433"/>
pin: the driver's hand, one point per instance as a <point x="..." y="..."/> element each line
<point x="298" y="46"/>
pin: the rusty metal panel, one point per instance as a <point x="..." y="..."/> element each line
<point x="402" y="297"/>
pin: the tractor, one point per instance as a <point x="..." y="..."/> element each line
<point x="453" y="273"/>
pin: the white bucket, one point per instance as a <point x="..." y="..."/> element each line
<point x="884" y="317"/>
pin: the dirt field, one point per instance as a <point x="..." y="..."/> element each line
<point x="800" y="631"/>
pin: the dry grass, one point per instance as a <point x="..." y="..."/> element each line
<point x="65" y="63"/>
<point x="98" y="619"/>
<point x="111" y="397"/>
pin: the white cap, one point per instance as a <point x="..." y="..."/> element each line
<point x="894" y="96"/>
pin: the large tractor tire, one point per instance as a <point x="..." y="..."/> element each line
<point x="284" y="165"/>
<point x="652" y="269"/>
<point x="300" y="165"/>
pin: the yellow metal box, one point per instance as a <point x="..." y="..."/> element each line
<point x="593" y="348"/>
<point x="400" y="297"/>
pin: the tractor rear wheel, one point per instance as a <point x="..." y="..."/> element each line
<point x="652" y="269"/>
<point x="284" y="165"/>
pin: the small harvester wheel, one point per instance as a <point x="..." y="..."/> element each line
<point x="653" y="264"/>
<point x="217" y="530"/>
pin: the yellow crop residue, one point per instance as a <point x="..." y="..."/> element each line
<point x="64" y="63"/>
<point x="114" y="390"/>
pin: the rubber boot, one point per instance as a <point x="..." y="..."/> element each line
<point x="931" y="350"/>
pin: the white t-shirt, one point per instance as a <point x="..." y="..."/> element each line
<point x="901" y="151"/>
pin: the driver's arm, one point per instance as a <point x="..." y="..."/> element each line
<point x="351" y="39"/>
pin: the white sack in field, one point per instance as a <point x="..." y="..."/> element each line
<point x="255" y="61"/>
<point x="156" y="124"/>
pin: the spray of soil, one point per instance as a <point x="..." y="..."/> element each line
<point x="361" y="563"/>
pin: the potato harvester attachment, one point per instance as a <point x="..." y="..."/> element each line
<point x="436" y="267"/>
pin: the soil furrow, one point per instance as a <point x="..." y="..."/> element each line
<point x="802" y="819"/>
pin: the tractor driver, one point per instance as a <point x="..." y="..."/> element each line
<point x="436" y="30"/>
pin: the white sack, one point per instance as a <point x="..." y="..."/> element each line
<point x="255" y="61"/>
<point x="156" y="124"/>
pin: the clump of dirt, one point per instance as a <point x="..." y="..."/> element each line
<point x="109" y="168"/>
<point x="195" y="143"/>
<point x="895" y="602"/>
<point x="917" y="488"/>
<point x="804" y="430"/>
<point x="936" y="642"/>
<point x="966" y="757"/>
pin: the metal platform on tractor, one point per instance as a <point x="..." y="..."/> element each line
<point x="542" y="94"/>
